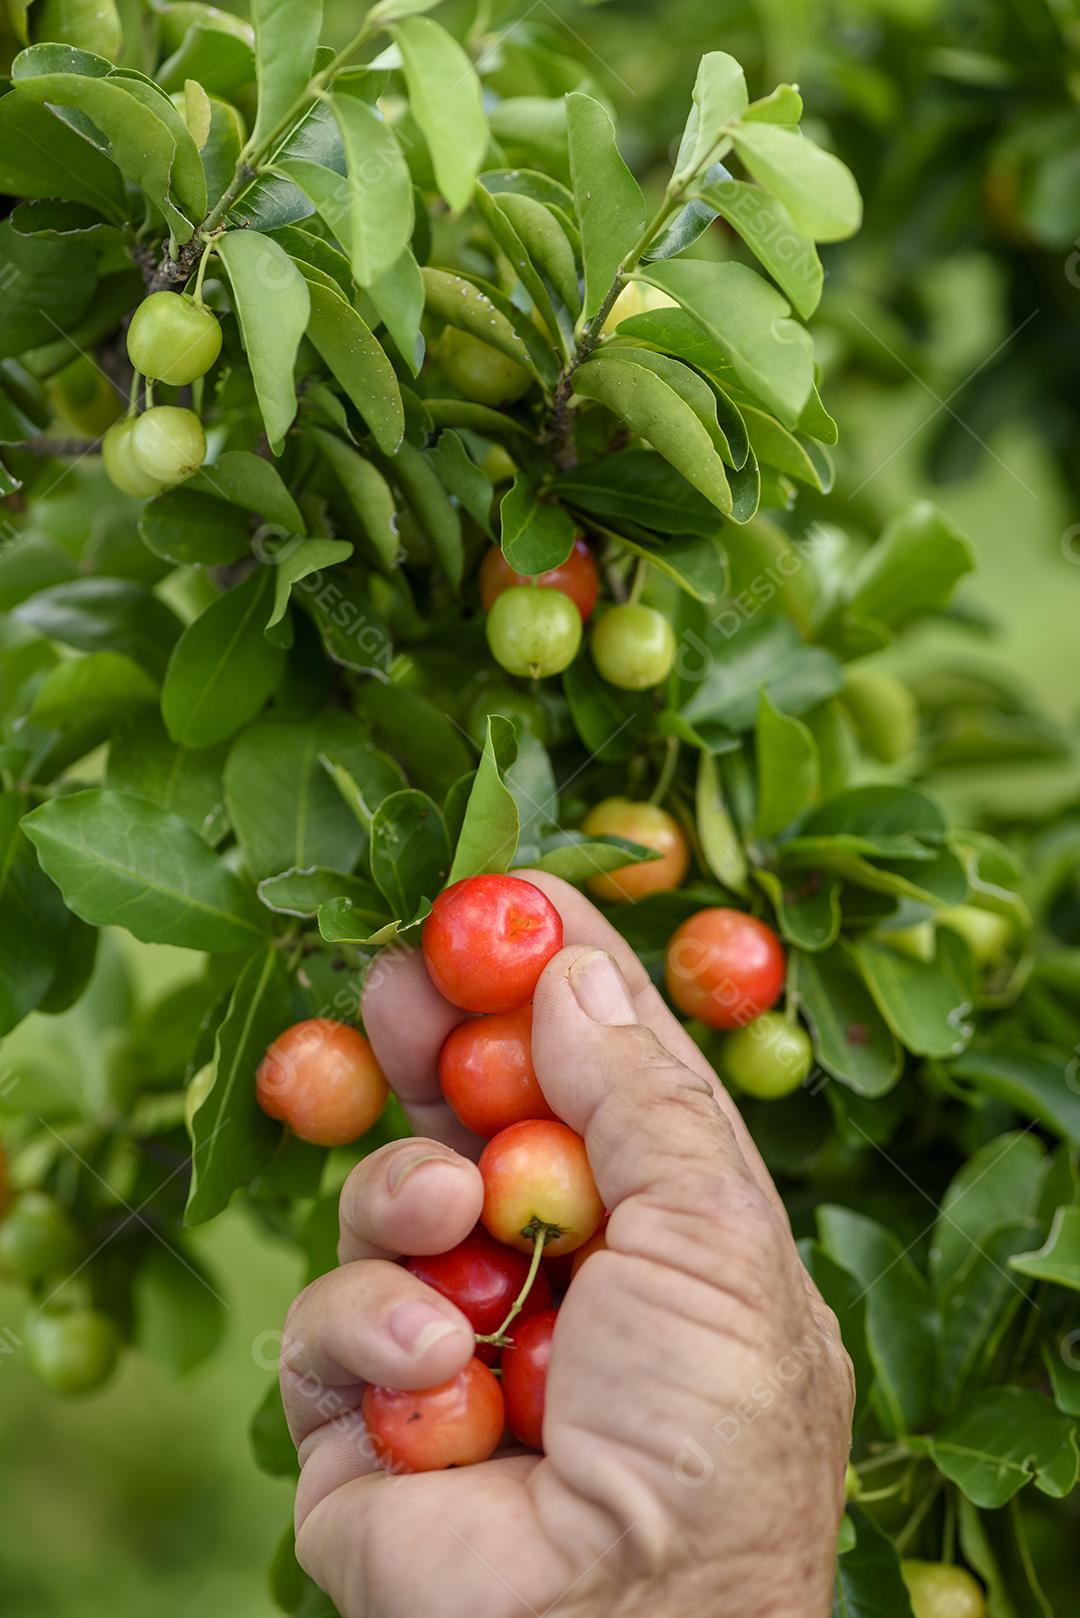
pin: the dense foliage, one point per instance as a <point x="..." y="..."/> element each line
<point x="252" y="705"/>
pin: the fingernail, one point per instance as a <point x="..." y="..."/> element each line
<point x="404" y="1164"/>
<point x="600" y="990"/>
<point x="418" y="1326"/>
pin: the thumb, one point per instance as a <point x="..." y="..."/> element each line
<point x="664" y="1154"/>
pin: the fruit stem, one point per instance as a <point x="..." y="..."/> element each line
<point x="637" y="584"/>
<point x="197" y="298"/>
<point x="499" y="1338"/>
<point x="133" y="395"/>
<point x="667" y="772"/>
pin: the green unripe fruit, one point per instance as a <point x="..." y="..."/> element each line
<point x="168" y="443"/>
<point x="522" y="710"/>
<point x="122" y="469"/>
<point x="883" y="712"/>
<point x="89" y="25"/>
<point x="533" y="632"/>
<point x="769" y="1058"/>
<point x="633" y="647"/>
<point x="988" y="934"/>
<point x="938" y="1590"/>
<point x="171" y="339"/>
<point x="36" y="1237"/>
<point x="481" y="373"/>
<point x="74" y="1352"/>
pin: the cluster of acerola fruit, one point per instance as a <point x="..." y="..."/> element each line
<point x="535" y="623"/>
<point x="485" y="944"/>
<point x="174" y="339"/>
<point x="71" y="1347"/>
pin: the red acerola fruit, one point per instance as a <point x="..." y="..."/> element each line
<point x="487" y="940"/>
<point x="321" y="1078"/>
<point x="483" y="1278"/>
<point x="724" y="967"/>
<point x="524" y="1377"/>
<point x="536" y="1174"/>
<point x="576" y="577"/>
<point x="487" y="1075"/>
<point x="457" y="1423"/>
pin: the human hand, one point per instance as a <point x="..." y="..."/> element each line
<point x="699" y="1399"/>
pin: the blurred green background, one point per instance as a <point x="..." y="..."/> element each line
<point x="948" y="338"/>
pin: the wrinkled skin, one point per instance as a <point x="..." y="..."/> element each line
<point x="699" y="1400"/>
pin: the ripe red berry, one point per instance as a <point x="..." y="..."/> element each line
<point x="487" y="940"/>
<point x="524" y="1377"/>
<point x="537" y="1174"/>
<point x="487" y="1075"/>
<point x="321" y="1078"/>
<point x="457" y="1423"/>
<point x="724" y="967"/>
<point x="576" y="577"/>
<point x="483" y="1278"/>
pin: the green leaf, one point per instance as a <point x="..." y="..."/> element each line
<point x="643" y="488"/>
<point x="575" y="858"/>
<point x="609" y="203"/>
<point x="422" y="487"/>
<point x="719" y="101"/>
<point x="749" y="320"/>
<point x="300" y="561"/>
<point x="250" y="481"/>
<point x="223" y="668"/>
<point x="142" y="138"/>
<point x="912" y="569"/>
<point x="536" y="534"/>
<point x="302" y="892"/>
<point x="282" y="804"/>
<point x="144" y="760"/>
<point x="852" y="1041"/>
<point x="380" y="218"/>
<point x="194" y="529"/>
<point x="901" y="1322"/>
<point x="1003" y="1439"/>
<point x="1034" y="1080"/>
<point x="42" y="156"/>
<point x="359" y="363"/>
<point x="410" y="850"/>
<point x="489" y="833"/>
<point x="459" y="473"/>
<point x="100" y="686"/>
<point x="787" y="769"/>
<point x="104" y="615"/>
<point x="506" y="237"/>
<point x="342" y="922"/>
<point x="546" y="243"/>
<point x="398" y="299"/>
<point x="698" y="566"/>
<point x="272" y="306"/>
<point x="35" y="921"/>
<point x="999" y="1182"/>
<point x="445" y="100"/>
<point x="233" y="1137"/>
<point x="607" y="720"/>
<point x="479" y="310"/>
<point x="1058" y="1260"/>
<point x="286" y="35"/>
<point x="368" y="493"/>
<point x="123" y="861"/>
<point x="884" y="817"/>
<point x="764" y="654"/>
<point x="651" y="407"/>
<point x="922" y="1005"/>
<point x="721" y="845"/>
<point x="818" y="191"/>
<point x="868" y="1579"/>
<point x="422" y="737"/>
<point x="807" y="905"/>
<point x="768" y="230"/>
<point x="847" y="1300"/>
<point x="795" y="457"/>
<point x="179" y="1315"/>
<point x="692" y="389"/>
